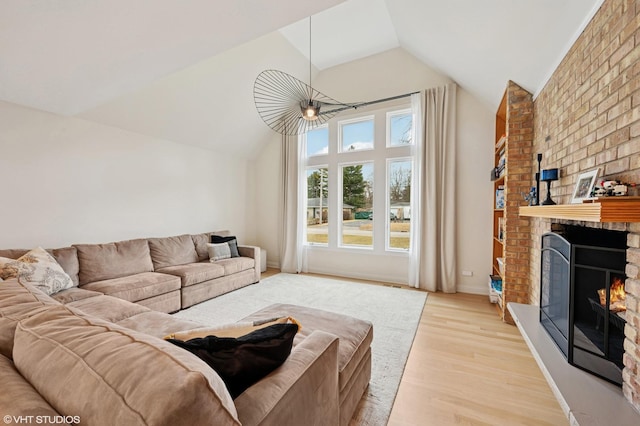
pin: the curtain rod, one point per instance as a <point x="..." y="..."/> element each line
<point x="362" y="104"/>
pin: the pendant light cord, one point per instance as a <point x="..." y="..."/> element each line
<point x="310" y="89"/>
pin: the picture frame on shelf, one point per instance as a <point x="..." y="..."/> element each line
<point x="584" y="186"/>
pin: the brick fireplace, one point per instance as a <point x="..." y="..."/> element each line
<point x="588" y="116"/>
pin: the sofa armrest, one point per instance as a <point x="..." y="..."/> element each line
<point x="249" y="251"/>
<point x="303" y="391"/>
<point x="254" y="253"/>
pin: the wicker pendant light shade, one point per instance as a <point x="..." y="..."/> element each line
<point x="290" y="106"/>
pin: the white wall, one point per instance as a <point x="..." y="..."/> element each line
<point x="392" y="73"/>
<point x="68" y="180"/>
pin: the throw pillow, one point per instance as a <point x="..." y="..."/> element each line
<point x="218" y="251"/>
<point x="236" y="329"/>
<point x="243" y="361"/>
<point x="38" y="268"/>
<point x="233" y="243"/>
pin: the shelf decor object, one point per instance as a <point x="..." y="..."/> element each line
<point x="584" y="186"/>
<point x="536" y="200"/>
<point x="548" y="175"/>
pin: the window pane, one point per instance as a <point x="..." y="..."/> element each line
<point x="318" y="141"/>
<point x="317" y="195"/>
<point x="399" y="181"/>
<point x="400" y="129"/>
<point x="357" y="135"/>
<point x="357" y="204"/>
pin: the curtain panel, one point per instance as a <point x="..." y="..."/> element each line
<point x="291" y="225"/>
<point x="433" y="257"/>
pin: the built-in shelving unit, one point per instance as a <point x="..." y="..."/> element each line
<point x="498" y="176"/>
<point x="511" y="178"/>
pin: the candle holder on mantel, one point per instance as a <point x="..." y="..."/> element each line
<point x="548" y="175"/>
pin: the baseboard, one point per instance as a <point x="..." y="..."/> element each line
<point x="473" y="289"/>
<point x="358" y="275"/>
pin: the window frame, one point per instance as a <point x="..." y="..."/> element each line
<point x="348" y="121"/>
<point x="306" y="202"/>
<point x="389" y="116"/>
<point x="340" y="207"/>
<point x="387" y="238"/>
<point x="379" y="155"/>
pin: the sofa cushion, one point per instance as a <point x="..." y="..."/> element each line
<point x="107" y="374"/>
<point x="200" y="242"/>
<point x="18" y="398"/>
<point x="18" y="301"/>
<point x="172" y="251"/>
<point x="39" y="268"/>
<point x="236" y="264"/>
<point x="136" y="287"/>
<point x="100" y="262"/>
<point x="67" y="257"/>
<point x="73" y="294"/>
<point x="355" y="334"/>
<point x="195" y="273"/>
<point x="108" y="308"/>
<point x="157" y="324"/>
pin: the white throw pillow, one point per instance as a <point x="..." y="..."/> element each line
<point x="39" y="269"/>
<point x="218" y="251"/>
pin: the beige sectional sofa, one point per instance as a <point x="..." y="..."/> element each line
<point x="163" y="274"/>
<point x="86" y="360"/>
<point x="94" y="353"/>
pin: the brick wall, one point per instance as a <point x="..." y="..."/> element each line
<point x="588" y="116"/>
<point x="518" y="182"/>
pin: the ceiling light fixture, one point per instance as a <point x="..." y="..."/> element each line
<point x="291" y="107"/>
<point x="311" y="110"/>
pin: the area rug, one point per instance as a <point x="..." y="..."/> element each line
<point x="394" y="312"/>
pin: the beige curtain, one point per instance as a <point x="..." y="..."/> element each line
<point x="291" y="227"/>
<point x="433" y="262"/>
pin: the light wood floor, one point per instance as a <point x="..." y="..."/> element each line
<point x="467" y="367"/>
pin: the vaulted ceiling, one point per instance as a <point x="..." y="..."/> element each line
<point x="170" y="69"/>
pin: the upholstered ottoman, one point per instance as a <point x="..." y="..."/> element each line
<point x="354" y="349"/>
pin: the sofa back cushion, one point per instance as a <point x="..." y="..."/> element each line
<point x="113" y="260"/>
<point x="200" y="241"/>
<point x="172" y="251"/>
<point x="107" y="374"/>
<point x="17" y="302"/>
<point x="67" y="257"/>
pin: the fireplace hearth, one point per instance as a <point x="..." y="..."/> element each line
<point x="582" y="297"/>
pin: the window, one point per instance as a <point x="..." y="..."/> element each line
<point x="318" y="141"/>
<point x="358" y="181"/>
<point x="399" y="180"/>
<point x="357" y="134"/>
<point x="317" y="205"/>
<point x="400" y="128"/>
<point x="357" y="205"/>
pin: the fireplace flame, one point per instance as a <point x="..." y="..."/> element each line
<point x="617" y="296"/>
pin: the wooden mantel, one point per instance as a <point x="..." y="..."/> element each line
<point x="606" y="209"/>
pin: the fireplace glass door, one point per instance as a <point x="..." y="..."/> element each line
<point x="582" y="297"/>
